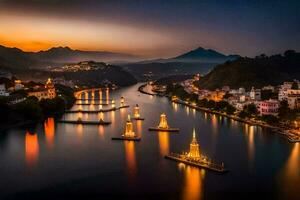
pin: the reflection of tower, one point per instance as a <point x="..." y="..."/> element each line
<point x="193" y="184"/>
<point x="129" y="128"/>
<point x="122" y="101"/>
<point x="194" y="147"/>
<point x="31" y="148"/>
<point x="163" y="121"/>
<point x="163" y="139"/>
<point x="49" y="131"/>
<point x="100" y="96"/>
<point x="107" y="95"/>
<point x="136" y="111"/>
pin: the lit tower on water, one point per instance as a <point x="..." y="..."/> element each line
<point x="194" y="147"/>
<point x="136" y="111"/>
<point x="129" y="128"/>
<point x="122" y="101"/>
<point x="163" y="121"/>
<point x="113" y="105"/>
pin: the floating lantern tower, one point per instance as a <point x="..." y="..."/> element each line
<point x="163" y="125"/>
<point x="122" y="102"/>
<point x="129" y="134"/>
<point x="194" y="147"/>
<point x="136" y="113"/>
<point x="194" y="158"/>
<point x="113" y="105"/>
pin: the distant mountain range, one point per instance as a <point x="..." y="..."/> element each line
<point x="14" y="58"/>
<point x="259" y="71"/>
<point x="198" y="55"/>
<point x="204" y="55"/>
<point x="199" y="60"/>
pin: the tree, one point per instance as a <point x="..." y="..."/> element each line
<point x="295" y="86"/>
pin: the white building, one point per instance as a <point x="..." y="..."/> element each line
<point x="255" y="94"/>
<point x="242" y="90"/>
<point x="3" y="91"/>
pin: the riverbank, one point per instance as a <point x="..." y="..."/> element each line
<point x="288" y="134"/>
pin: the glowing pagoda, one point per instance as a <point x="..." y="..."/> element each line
<point x="129" y="128"/>
<point x="163" y="125"/>
<point x="113" y="105"/>
<point x="129" y="134"/>
<point x="136" y="113"/>
<point x="194" y="158"/>
<point x="194" y="147"/>
<point x="163" y="121"/>
<point x="122" y="101"/>
<point x="101" y="117"/>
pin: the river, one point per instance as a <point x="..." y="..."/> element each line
<point x="55" y="160"/>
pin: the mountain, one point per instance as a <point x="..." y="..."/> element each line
<point x="257" y="72"/>
<point x="16" y="59"/>
<point x="205" y="55"/>
<point x="66" y="54"/>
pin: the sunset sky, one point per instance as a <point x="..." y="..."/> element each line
<point x="154" y="28"/>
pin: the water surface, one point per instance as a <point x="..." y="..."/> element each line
<point x="55" y="160"/>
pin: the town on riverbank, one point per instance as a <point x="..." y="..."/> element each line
<point x="275" y="107"/>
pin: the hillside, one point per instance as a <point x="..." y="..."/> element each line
<point x="204" y="55"/>
<point x="94" y="74"/>
<point x="16" y="59"/>
<point x="258" y="71"/>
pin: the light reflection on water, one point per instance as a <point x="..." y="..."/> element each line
<point x="163" y="139"/>
<point x="238" y="145"/>
<point x="31" y="149"/>
<point x="193" y="182"/>
<point x="49" y="132"/>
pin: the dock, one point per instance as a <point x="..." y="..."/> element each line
<point x="164" y="129"/>
<point x="85" y="122"/>
<point x="95" y="111"/>
<point x="88" y="104"/>
<point x="197" y="163"/>
<point x="127" y="138"/>
<point x="91" y="99"/>
<point x="138" y="118"/>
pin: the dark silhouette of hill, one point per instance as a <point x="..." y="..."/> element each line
<point x="258" y="71"/>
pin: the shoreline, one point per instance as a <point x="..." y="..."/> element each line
<point x="282" y="132"/>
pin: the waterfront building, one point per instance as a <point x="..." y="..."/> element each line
<point x="3" y="91"/>
<point x="194" y="147"/>
<point x="255" y="94"/>
<point x="242" y="90"/>
<point x="226" y="88"/>
<point x="129" y="128"/>
<point x="293" y="100"/>
<point x="163" y="121"/>
<point x="18" y="85"/>
<point x="269" y="107"/>
<point x="268" y="87"/>
<point x="48" y="92"/>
